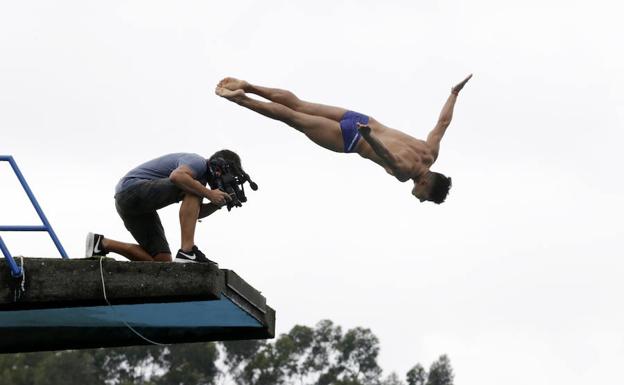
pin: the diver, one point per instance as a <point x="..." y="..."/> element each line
<point x="337" y="129"/>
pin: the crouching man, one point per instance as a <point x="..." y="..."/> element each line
<point x="156" y="184"/>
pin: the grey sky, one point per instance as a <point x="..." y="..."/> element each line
<point x="517" y="276"/>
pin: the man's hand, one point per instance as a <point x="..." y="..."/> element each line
<point x="218" y="197"/>
<point x="455" y="90"/>
<point x="364" y="129"/>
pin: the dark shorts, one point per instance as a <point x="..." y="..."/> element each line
<point x="137" y="207"/>
<point x="348" y="126"/>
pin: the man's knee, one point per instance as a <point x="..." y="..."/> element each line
<point x="162" y="257"/>
<point x="191" y="199"/>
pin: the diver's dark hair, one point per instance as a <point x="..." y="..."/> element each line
<point x="439" y="187"/>
<point x="229" y="156"/>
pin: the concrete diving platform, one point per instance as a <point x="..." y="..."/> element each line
<point x="63" y="307"/>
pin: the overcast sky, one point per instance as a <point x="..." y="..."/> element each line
<point x="517" y="277"/>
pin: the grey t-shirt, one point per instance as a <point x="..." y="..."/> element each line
<point x="162" y="166"/>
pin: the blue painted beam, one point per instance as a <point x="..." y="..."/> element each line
<point x="16" y="271"/>
<point x="23" y="228"/>
<point x="35" y="204"/>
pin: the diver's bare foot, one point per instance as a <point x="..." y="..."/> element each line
<point x="455" y="90"/>
<point x="234" y="96"/>
<point x="233" y="84"/>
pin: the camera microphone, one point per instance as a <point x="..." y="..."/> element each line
<point x="252" y="184"/>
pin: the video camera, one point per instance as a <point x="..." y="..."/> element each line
<point x="228" y="177"/>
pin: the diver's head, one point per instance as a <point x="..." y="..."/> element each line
<point x="432" y="186"/>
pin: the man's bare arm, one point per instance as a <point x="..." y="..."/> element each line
<point x="183" y="178"/>
<point x="446" y="115"/>
<point x="389" y="159"/>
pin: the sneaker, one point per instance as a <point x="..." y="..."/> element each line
<point x="195" y="255"/>
<point x="94" y="246"/>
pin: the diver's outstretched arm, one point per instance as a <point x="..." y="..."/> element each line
<point x="446" y="115"/>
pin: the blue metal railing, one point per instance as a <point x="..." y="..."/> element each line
<point x="16" y="271"/>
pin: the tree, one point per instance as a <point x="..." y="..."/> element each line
<point x="358" y="350"/>
<point x="323" y="355"/>
<point x="249" y="362"/>
<point x="440" y="372"/>
<point x="68" y="367"/>
<point x="189" y="364"/>
<point x="417" y="375"/>
<point x="127" y="365"/>
<point x="392" y="379"/>
<point x="48" y="368"/>
<point x="320" y="356"/>
<point x="184" y="364"/>
<point x="18" y="369"/>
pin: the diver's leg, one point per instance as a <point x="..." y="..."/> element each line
<point x="285" y="98"/>
<point x="322" y="131"/>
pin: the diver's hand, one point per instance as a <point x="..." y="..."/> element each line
<point x="455" y="90"/>
<point x="218" y="197"/>
<point x="364" y="129"/>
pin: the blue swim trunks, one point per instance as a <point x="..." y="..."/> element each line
<point x="348" y="126"/>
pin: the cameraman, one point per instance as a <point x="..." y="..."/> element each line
<point x="156" y="184"/>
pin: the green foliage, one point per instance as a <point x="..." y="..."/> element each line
<point x="241" y="351"/>
<point x="189" y="364"/>
<point x="392" y="379"/>
<point x="440" y="372"/>
<point x="417" y="375"/>
<point x="68" y="367"/>
<point x="18" y="369"/>
<point x="323" y="355"/>
<point x="358" y="356"/>
<point x="48" y="368"/>
<point x="127" y="365"/>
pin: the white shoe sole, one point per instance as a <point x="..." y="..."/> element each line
<point x="182" y="260"/>
<point x="89" y="245"/>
